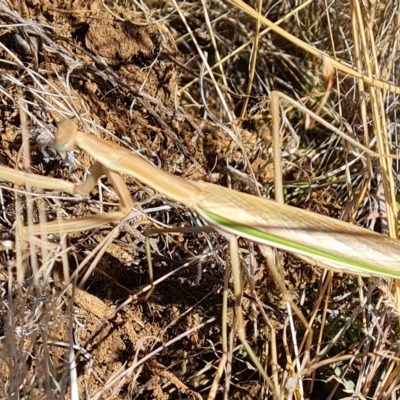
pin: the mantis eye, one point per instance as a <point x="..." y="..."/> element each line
<point x="60" y="148"/>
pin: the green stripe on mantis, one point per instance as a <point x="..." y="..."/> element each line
<point x="328" y="260"/>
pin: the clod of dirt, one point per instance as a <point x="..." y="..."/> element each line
<point x="117" y="41"/>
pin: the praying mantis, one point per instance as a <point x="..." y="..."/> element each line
<point x="330" y="243"/>
<point x="337" y="245"/>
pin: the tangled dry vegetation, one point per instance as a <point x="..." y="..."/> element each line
<point x="138" y="74"/>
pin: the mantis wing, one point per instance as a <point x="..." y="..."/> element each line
<point x="334" y="244"/>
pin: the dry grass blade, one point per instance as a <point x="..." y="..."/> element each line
<point x="347" y="69"/>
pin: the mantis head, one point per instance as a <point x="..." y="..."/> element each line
<point x="65" y="136"/>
